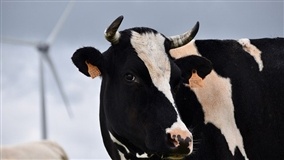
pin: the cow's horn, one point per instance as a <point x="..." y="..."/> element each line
<point x="180" y="40"/>
<point x="111" y="33"/>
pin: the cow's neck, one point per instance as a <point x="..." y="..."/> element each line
<point x="219" y="109"/>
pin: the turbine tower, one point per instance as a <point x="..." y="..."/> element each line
<point x="43" y="49"/>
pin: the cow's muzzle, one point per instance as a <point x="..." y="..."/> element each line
<point x="180" y="143"/>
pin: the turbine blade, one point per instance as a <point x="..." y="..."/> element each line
<point x="54" y="72"/>
<point x="60" y="22"/>
<point x="18" y="41"/>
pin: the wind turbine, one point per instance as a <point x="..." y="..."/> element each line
<point x="43" y="49"/>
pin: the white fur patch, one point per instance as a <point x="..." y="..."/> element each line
<point x="215" y="98"/>
<point x="144" y="155"/>
<point x="253" y="51"/>
<point x="178" y="125"/>
<point x="151" y="50"/>
<point x="114" y="140"/>
<point x="186" y="50"/>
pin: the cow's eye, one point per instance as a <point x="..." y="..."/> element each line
<point x="129" y="77"/>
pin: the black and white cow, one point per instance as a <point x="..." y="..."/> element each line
<point x="234" y="100"/>
<point x="138" y="114"/>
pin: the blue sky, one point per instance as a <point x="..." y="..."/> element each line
<point x="33" y="20"/>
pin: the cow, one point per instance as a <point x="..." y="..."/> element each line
<point x="138" y="112"/>
<point x="44" y="149"/>
<point x="233" y="97"/>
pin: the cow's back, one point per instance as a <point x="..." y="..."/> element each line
<point x="253" y="73"/>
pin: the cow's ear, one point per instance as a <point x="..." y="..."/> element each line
<point x="89" y="61"/>
<point x="194" y="69"/>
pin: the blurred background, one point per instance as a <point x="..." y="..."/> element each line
<point x="30" y="23"/>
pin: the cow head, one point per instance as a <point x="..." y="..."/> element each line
<point x="138" y="114"/>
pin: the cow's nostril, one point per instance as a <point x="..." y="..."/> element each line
<point x="180" y="145"/>
<point x="172" y="139"/>
<point x="177" y="140"/>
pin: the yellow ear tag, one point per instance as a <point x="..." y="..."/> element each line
<point x="195" y="81"/>
<point x="93" y="70"/>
